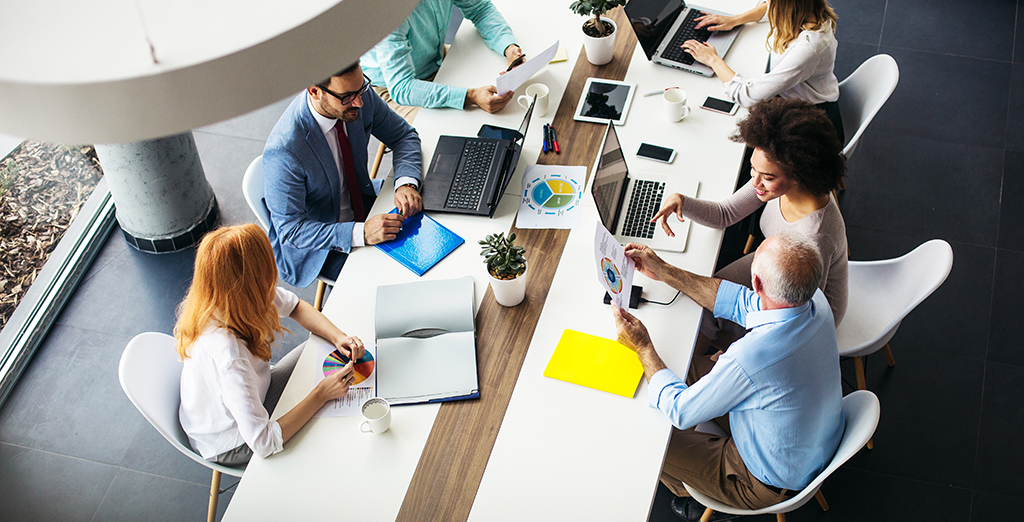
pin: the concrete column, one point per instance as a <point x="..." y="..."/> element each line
<point x="164" y="203"/>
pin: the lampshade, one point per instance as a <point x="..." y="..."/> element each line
<point x="113" y="71"/>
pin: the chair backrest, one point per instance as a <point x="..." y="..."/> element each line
<point x="150" y="375"/>
<point x="253" y="190"/>
<point x="862" y="411"/>
<point x="883" y="292"/>
<point x="863" y="93"/>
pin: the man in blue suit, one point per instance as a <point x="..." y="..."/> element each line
<point x="315" y="159"/>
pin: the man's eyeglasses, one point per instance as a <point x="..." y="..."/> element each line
<point x="347" y="97"/>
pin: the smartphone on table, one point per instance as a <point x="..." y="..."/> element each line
<point x="718" y="105"/>
<point x="656" y="153"/>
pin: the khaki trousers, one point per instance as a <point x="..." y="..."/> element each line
<point x="712" y="465"/>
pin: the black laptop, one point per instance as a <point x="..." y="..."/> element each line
<point x="469" y="175"/>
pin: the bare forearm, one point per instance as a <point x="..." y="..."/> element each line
<point x="703" y="290"/>
<point x="723" y="71"/>
<point x="752" y="15"/>
<point x="651" y="362"/>
<point x="297" y="417"/>
<point x="317" y="323"/>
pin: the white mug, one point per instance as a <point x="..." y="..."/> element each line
<point x="376" y="416"/>
<point x="541" y="91"/>
<point x="675" y="105"/>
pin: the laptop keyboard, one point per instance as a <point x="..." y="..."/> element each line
<point x="674" y="51"/>
<point x="643" y="204"/>
<point x="469" y="182"/>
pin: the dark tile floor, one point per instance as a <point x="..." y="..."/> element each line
<point x="944" y="158"/>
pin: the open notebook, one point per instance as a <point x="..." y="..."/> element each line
<point x="426" y="341"/>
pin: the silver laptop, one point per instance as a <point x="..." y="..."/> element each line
<point x="661" y="27"/>
<point x="627" y="203"/>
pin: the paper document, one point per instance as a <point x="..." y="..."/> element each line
<point x="595" y="362"/>
<point x="331" y="360"/>
<point x="614" y="269"/>
<point x="551" y="197"/>
<point x="511" y="80"/>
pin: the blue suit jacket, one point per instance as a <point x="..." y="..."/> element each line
<point x="303" y="185"/>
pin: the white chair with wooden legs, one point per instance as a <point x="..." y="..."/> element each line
<point x="150" y="375"/>
<point x="882" y="293"/>
<point x="862" y="411"/>
<point x="253" y="190"/>
<point x="862" y="94"/>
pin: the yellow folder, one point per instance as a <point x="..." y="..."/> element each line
<point x="595" y="362"/>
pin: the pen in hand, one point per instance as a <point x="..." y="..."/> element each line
<point x="516" y="63"/>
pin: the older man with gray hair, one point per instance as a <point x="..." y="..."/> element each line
<point x="776" y="392"/>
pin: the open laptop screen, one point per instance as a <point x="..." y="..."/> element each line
<point x="651" y="19"/>
<point x="609" y="180"/>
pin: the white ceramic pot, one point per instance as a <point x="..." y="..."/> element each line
<point x="600" y="50"/>
<point x="509" y="292"/>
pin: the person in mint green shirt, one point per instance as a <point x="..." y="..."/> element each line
<point x="402" y="64"/>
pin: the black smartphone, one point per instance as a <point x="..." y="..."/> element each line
<point x="722" y="106"/>
<point x="656" y="153"/>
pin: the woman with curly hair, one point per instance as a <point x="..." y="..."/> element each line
<point x="795" y="165"/>
<point x="225" y="328"/>
<point x="803" y="54"/>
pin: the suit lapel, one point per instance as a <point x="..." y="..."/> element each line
<point x="318" y="143"/>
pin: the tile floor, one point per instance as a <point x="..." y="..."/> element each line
<point x="944" y="158"/>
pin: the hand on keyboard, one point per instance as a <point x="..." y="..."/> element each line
<point x="714" y="22"/>
<point x="700" y="51"/>
<point x="673" y="205"/>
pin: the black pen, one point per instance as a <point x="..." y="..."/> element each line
<point x="545" y="148"/>
<point x="515" y="63"/>
<point x="554" y="139"/>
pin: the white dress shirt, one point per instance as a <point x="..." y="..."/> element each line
<point x="329" y="127"/>
<point x="223" y="386"/>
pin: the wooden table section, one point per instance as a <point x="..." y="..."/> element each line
<point x="453" y="461"/>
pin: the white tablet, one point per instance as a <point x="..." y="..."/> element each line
<point x="603" y="100"/>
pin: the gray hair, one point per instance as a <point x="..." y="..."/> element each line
<point x="790" y="268"/>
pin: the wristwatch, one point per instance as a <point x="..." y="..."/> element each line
<point x="410" y="184"/>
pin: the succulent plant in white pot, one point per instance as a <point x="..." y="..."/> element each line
<point x="506" y="267"/>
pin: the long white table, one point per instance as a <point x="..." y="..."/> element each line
<point x="558" y="442"/>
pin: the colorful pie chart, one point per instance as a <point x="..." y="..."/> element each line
<point x="553" y="194"/>
<point x="611" y="275"/>
<point x="362" y="369"/>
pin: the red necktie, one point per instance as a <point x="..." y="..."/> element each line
<point x="354" y="194"/>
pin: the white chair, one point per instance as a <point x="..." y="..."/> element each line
<point x="150" y="375"/>
<point x="863" y="93"/>
<point x="253" y="190"/>
<point x="882" y="293"/>
<point x="862" y="410"/>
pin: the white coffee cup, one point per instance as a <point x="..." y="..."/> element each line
<point x="376" y="416"/>
<point x="541" y="92"/>
<point x="675" y="105"/>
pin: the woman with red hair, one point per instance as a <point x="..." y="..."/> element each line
<point x="226" y="325"/>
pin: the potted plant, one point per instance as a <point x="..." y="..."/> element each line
<point x="598" y="32"/>
<point x="506" y="267"/>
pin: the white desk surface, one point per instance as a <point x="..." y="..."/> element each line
<point x="566" y="452"/>
<point x="330" y="469"/>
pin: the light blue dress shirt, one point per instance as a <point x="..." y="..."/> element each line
<point x="414" y="51"/>
<point x="780" y="385"/>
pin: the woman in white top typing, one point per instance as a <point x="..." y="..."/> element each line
<point x="803" y="53"/>
<point x="225" y="328"/>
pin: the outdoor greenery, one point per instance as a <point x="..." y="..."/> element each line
<point x="504" y="260"/>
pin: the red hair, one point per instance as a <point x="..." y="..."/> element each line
<point x="234" y="286"/>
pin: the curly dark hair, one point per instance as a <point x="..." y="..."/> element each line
<point x="799" y="138"/>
